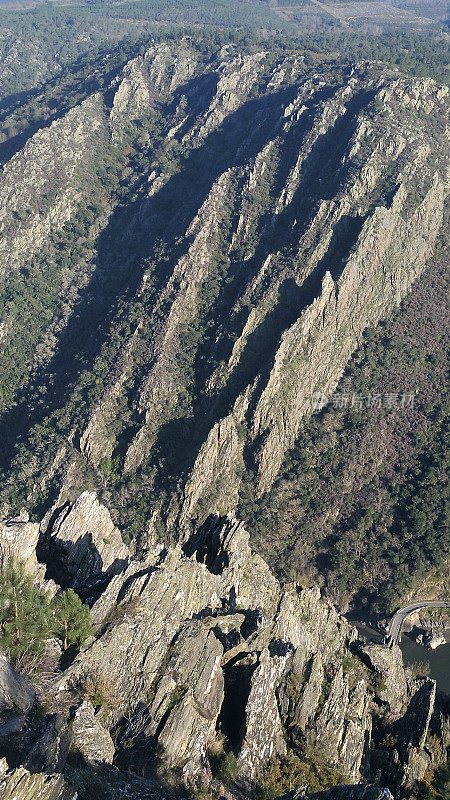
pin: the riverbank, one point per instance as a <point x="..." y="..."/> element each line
<point x="438" y="659"/>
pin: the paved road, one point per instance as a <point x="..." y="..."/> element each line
<point x="395" y="626"/>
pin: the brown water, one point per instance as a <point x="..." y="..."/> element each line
<point x="439" y="661"/>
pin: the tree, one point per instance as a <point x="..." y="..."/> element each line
<point x="25" y="615"/>
<point x="72" y="619"/>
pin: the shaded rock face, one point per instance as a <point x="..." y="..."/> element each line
<point x="188" y="698"/>
<point x="367" y="792"/>
<point x="353" y="793"/>
<point x="412" y="730"/>
<point x="15" y="691"/>
<point x="84" y="543"/>
<point x="50" y="750"/>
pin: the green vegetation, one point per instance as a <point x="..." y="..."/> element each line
<point x="224" y="766"/>
<point x="72" y="619"/>
<point x="28" y="618"/>
<point x="287" y="773"/>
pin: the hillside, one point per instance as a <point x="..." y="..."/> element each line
<point x="208" y="239"/>
<point x="224" y="333"/>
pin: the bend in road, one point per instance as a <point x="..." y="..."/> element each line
<point x="395" y="626"/>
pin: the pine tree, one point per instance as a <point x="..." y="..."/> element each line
<point x="72" y="619"/>
<point x="25" y="614"/>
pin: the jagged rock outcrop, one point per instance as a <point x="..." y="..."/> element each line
<point x="19" y="784"/>
<point x="201" y="640"/>
<point x="18" y="540"/>
<point x="388" y="664"/>
<point x="84" y="541"/>
<point x="162" y="653"/>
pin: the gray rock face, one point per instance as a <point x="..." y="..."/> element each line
<point x="15" y="691"/>
<point x="263" y="730"/>
<point x="85" y="541"/>
<point x="18" y="540"/>
<point x="329" y="726"/>
<point x="19" y="784"/>
<point x="355" y="746"/>
<point x="90" y="737"/>
<point x="188" y="696"/>
<point x="388" y="664"/>
<point x="306" y="706"/>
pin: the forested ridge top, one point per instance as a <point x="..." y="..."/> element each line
<point x="38" y="41"/>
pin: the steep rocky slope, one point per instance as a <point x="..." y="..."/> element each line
<point x="199" y="656"/>
<point x="259" y="217"/>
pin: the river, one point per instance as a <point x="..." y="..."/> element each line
<point x="439" y="661"/>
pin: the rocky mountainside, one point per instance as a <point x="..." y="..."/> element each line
<point x="193" y="246"/>
<point x="203" y="671"/>
<point x="205" y="244"/>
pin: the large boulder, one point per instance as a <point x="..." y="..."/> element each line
<point x="90" y="738"/>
